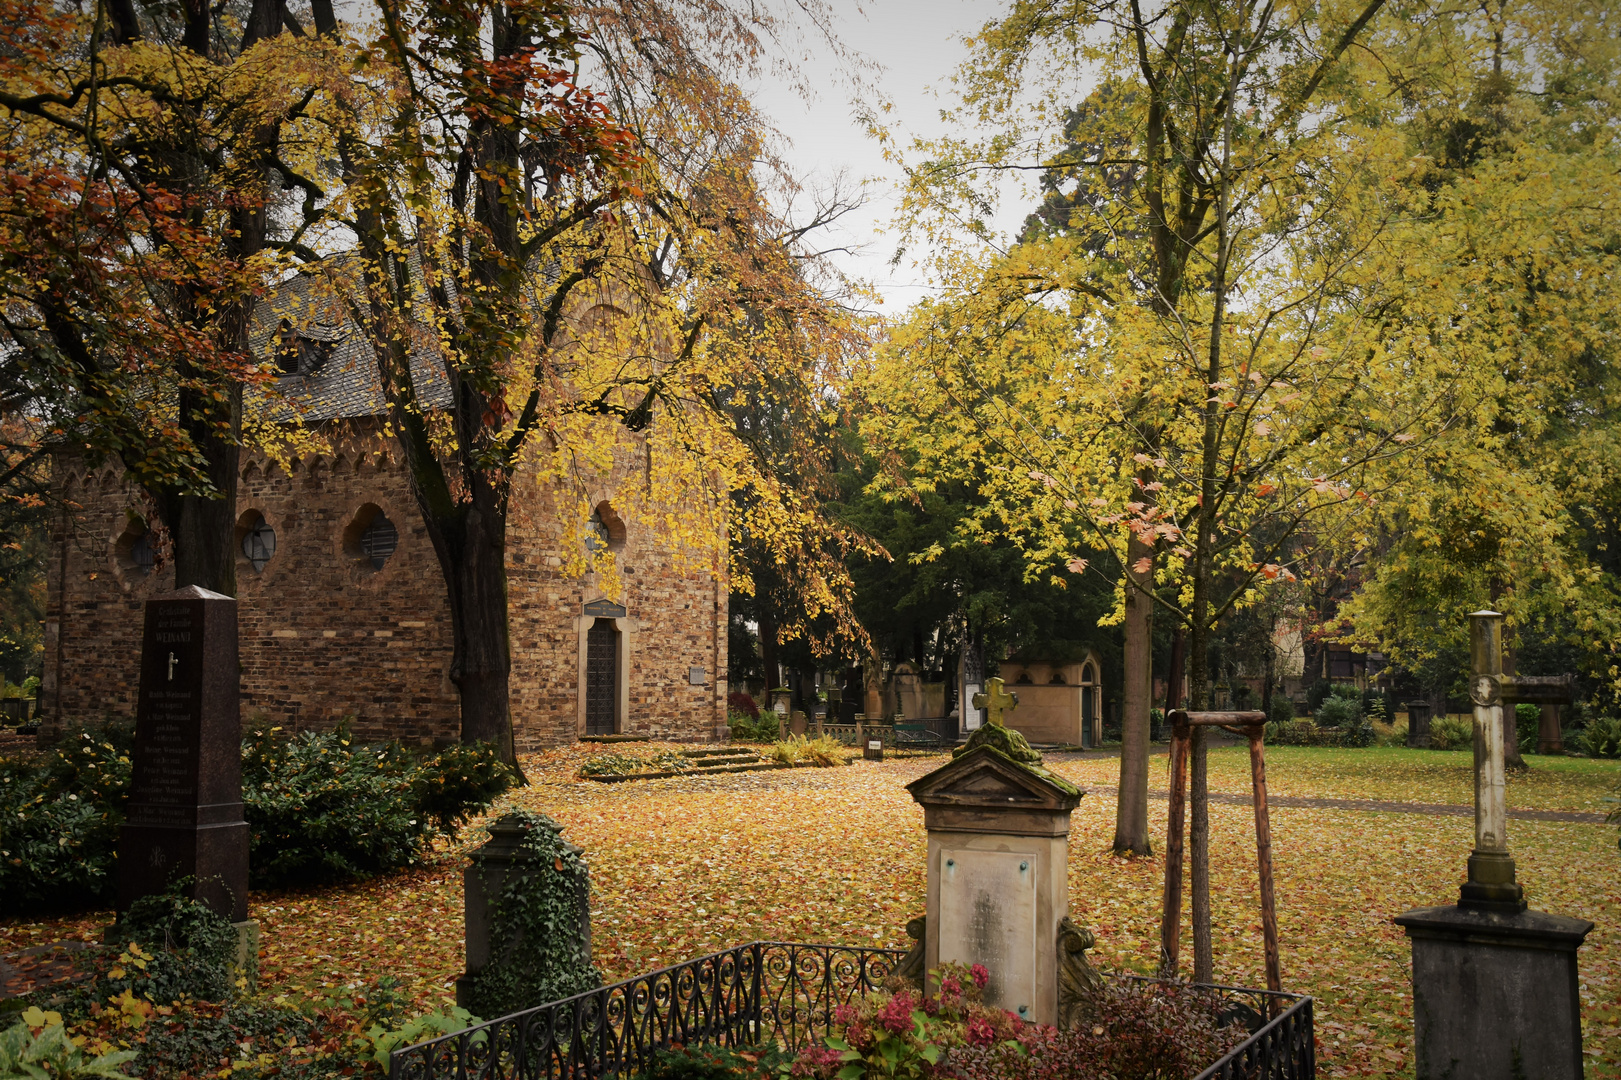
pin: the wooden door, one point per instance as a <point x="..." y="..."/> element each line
<point x="602" y="678"/>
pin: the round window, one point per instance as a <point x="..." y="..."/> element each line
<point x="379" y="540"/>
<point x="141" y="553"/>
<point x="259" y="544"/>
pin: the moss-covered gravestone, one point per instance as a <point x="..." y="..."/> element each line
<point x="998" y="870"/>
<point x="528" y="918"/>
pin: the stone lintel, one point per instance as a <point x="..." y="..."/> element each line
<point x="1010" y="821"/>
<point x="1525" y="929"/>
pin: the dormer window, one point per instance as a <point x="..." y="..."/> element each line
<point x="297" y="353"/>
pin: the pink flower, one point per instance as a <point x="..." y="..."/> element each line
<point x="896" y="1015"/>
<point x="950" y="986"/>
<point x="980" y="1032"/>
<point x="980" y="975"/>
<point x="814" y="1061"/>
<point x="844" y="1015"/>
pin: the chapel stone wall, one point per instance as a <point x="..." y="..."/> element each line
<point x="325" y="635"/>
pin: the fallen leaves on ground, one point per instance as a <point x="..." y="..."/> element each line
<point x="688" y="865"/>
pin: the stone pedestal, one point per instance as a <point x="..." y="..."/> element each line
<point x="998" y="869"/>
<point x="184" y="819"/>
<point x="482" y="884"/>
<point x="1494" y="994"/>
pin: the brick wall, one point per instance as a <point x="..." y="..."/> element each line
<point x="324" y="635"/>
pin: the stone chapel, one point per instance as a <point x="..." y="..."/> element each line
<point x="343" y="609"/>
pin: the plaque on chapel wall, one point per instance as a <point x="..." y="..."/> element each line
<point x="604" y="609"/>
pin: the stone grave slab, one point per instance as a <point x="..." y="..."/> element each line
<point x="988" y="903"/>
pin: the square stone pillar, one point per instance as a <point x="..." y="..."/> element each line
<point x="998" y="869"/>
<point x="1495" y="994"/>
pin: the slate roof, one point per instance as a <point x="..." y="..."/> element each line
<point x="344" y="385"/>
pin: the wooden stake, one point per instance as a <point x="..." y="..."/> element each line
<point x="1171" y="927"/>
<point x="1263" y="856"/>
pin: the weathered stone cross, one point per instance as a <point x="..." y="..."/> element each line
<point x="1491" y="883"/>
<point x="995" y="700"/>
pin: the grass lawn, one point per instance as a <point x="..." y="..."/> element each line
<point x="685" y="866"/>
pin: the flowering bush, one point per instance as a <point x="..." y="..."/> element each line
<point x="909" y="1035"/>
<point x="1142" y="1031"/>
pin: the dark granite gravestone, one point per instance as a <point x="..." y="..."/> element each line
<point x="184" y="819"/>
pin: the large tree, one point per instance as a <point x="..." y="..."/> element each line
<point x="1514" y="193"/>
<point x="138" y="141"/>
<point x="1191" y="365"/>
<point x="571" y="263"/>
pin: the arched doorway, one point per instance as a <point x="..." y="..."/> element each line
<point x="602" y="678"/>
<point x="1091" y="706"/>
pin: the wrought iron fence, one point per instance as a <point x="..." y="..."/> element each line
<point x="1282" y="1048"/>
<point x="765" y="991"/>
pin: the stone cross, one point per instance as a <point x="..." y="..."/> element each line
<point x="1491" y="883"/>
<point x="995" y="700"/>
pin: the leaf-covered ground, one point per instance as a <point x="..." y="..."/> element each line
<point x="687" y="865"/>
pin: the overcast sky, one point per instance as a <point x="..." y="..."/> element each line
<point x="917" y="44"/>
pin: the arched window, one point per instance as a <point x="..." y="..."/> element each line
<point x="297" y="353"/>
<point x="135" y="551"/>
<point x="605" y="530"/>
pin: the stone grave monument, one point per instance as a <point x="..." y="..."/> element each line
<point x="184" y="818"/>
<point x="562" y="962"/>
<point x="1495" y="992"/>
<point x="998" y="868"/>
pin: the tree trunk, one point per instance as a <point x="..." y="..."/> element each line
<point x="1199" y="802"/>
<point x="471" y="546"/>
<point x="768" y="648"/>
<point x="202" y="530"/>
<point x="1131" y="806"/>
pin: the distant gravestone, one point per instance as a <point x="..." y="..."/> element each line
<point x="184" y="818"/>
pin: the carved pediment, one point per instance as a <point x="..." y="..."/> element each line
<point x="986" y="777"/>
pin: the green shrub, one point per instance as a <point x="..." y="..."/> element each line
<point x="173" y="947"/>
<point x="1601" y="738"/>
<point x="1452" y="733"/>
<point x="318" y="807"/>
<point x="1303" y="733"/>
<point x="321" y="807"/>
<point x="717" y="1063"/>
<point x="1338" y="712"/>
<point x="37" y="1048"/>
<point x="799" y="750"/>
<point x="613" y="763"/>
<point x="1527" y="727"/>
<point x="455" y="783"/>
<point x="761" y="727"/>
<point x="1282" y="710"/>
<point x="59" y="818"/>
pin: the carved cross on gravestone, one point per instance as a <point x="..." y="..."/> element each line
<point x="995" y="701"/>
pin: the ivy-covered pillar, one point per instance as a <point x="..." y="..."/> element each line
<point x="528" y="919"/>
